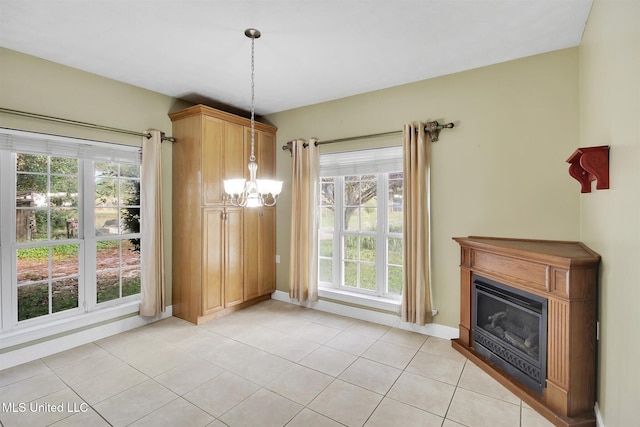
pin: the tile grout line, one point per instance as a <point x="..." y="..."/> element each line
<point x="70" y="387"/>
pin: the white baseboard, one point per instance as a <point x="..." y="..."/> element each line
<point x="599" y="420"/>
<point x="433" y="329"/>
<point x="73" y="339"/>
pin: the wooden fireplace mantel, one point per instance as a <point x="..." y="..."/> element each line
<point x="566" y="274"/>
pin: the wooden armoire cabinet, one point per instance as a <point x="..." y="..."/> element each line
<point x="223" y="255"/>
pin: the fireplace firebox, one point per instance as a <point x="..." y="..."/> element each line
<point x="509" y="328"/>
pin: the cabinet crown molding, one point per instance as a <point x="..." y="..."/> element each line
<point x="203" y="110"/>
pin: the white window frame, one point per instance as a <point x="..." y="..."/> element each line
<point x="12" y="141"/>
<point x="379" y="162"/>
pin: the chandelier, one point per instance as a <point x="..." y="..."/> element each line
<point x="255" y="192"/>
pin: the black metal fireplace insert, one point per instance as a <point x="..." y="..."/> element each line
<point x="509" y="328"/>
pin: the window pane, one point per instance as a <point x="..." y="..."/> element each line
<point x="107" y="221"/>
<point x="368" y="248"/>
<point x="395" y="202"/>
<point x="352" y="219"/>
<point x="360" y="192"/>
<point x="130" y="282"/>
<point x="64" y="294"/>
<point x="115" y="276"/>
<point x="130" y="220"/>
<point x="64" y="261"/>
<point x="350" y="274"/>
<point x="395" y="219"/>
<point x="32" y="186"/>
<point x="394" y="280"/>
<point x="351" y="191"/>
<point x="106" y="169"/>
<point x="369" y="218"/>
<point x="106" y="192"/>
<point x="351" y="250"/>
<point x="326" y="244"/>
<point x="130" y="252"/>
<point x="33" y="301"/>
<point x="41" y="225"/>
<point x="129" y="193"/>
<point x="327" y="192"/>
<point x="326" y="270"/>
<point x="108" y="286"/>
<point x="33" y="264"/>
<point x="368" y="189"/>
<point x="64" y="223"/>
<point x="130" y="171"/>
<point x="72" y="226"/>
<point x="394" y="251"/>
<point x="107" y="255"/>
<point x="27" y="225"/>
<point x="368" y="276"/>
<point x="31" y="163"/>
<point x="327" y="218"/>
<point x="64" y="191"/>
<point x="63" y="165"/>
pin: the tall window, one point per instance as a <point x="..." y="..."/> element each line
<point x="117" y="219"/>
<point x="46" y="234"/>
<point x="360" y="232"/>
<point x="70" y="212"/>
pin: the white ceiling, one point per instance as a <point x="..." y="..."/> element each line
<point x="310" y="50"/>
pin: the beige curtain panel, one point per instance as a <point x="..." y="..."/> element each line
<point x="151" y="240"/>
<point x="416" y="292"/>
<point x="303" y="272"/>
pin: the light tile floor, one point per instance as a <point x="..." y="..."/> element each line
<point x="273" y="364"/>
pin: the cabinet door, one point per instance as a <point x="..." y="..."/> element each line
<point x="267" y="251"/>
<point x="234" y="245"/>
<point x="267" y="155"/>
<point x="212" y="160"/>
<point x="222" y="157"/>
<point x="213" y="260"/>
<point x="260" y="252"/>
<point x="234" y="160"/>
<point x="252" y="239"/>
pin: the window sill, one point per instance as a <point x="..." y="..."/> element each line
<point x="371" y="302"/>
<point x="20" y="336"/>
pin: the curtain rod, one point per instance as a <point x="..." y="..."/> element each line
<point x="83" y="124"/>
<point x="432" y="128"/>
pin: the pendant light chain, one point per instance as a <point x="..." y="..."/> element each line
<point x="253" y="192"/>
<point x="253" y="113"/>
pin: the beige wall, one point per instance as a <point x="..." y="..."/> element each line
<point x="37" y="86"/>
<point x="501" y="171"/>
<point x="610" y="219"/>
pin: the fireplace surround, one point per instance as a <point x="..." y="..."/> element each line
<point x="562" y="278"/>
